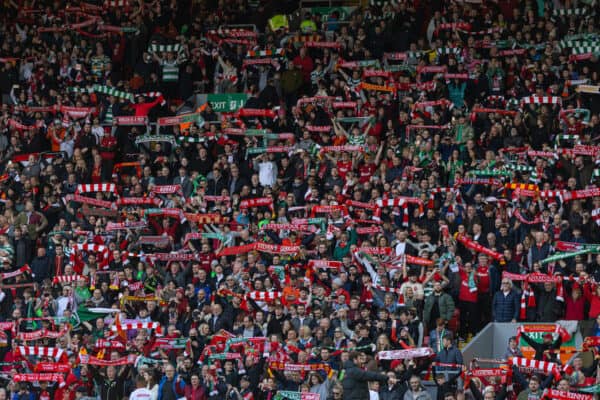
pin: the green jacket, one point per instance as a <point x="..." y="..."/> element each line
<point x="445" y="304"/>
<point x="37" y="220"/>
<point x="340" y="252"/>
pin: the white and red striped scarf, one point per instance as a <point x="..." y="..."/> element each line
<point x="40" y="351"/>
<point x="68" y="278"/>
<point x="544" y="367"/>
<point x="435" y="191"/>
<point x="91" y="248"/>
<point x="541" y="100"/>
<point x="387" y="289"/>
<point x="551" y="194"/>
<point x="581" y="194"/>
<point x="129" y="326"/>
<point x="96" y="187"/>
<point x="264" y="296"/>
<point x="402" y="202"/>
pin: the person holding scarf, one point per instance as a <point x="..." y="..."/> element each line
<point x="468" y="296"/>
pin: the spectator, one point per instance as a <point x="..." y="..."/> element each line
<point x="437" y="305"/>
<point x="506" y="303"/>
<point x="415" y="390"/>
<point x="355" y="383"/>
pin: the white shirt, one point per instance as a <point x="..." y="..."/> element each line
<point x="267" y="173"/>
<point x="400" y="248"/>
<point x="63" y="303"/>
<point x="140" y="394"/>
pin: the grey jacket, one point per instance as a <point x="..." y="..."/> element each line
<point x="422" y="394"/>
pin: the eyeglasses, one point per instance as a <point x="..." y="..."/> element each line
<point x="337" y="393"/>
<point x="506" y="283"/>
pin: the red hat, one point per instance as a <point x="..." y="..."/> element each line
<point x="548" y="336"/>
<point x="395" y="363"/>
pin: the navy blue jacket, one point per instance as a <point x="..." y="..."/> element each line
<point x="40" y="267"/>
<point x="505" y="308"/>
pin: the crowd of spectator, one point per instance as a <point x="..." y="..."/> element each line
<point x="242" y="200"/>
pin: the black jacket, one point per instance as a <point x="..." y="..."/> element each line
<point x="112" y="389"/>
<point x="541" y="348"/>
<point x="223" y="321"/>
<point x="40" y="267"/>
<point x="356" y="381"/>
<point x="392" y="393"/>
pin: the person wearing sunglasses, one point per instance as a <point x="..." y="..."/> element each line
<point x="337" y="391"/>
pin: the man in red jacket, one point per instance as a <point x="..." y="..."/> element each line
<point x="142" y="108"/>
<point x="483" y="285"/>
<point x="304" y="60"/>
